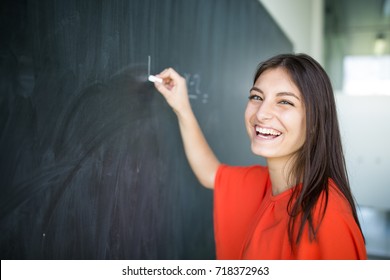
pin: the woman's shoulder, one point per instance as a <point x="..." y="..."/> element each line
<point x="339" y="236"/>
<point x="338" y="215"/>
<point x="334" y="203"/>
<point x="254" y="170"/>
<point x="242" y="176"/>
<point x="336" y="200"/>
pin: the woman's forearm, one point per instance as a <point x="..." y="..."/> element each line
<point x="200" y="156"/>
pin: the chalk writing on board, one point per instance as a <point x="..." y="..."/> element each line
<point x="70" y="20"/>
<point x="194" y="91"/>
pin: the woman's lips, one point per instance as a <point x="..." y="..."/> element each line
<point x="267" y="133"/>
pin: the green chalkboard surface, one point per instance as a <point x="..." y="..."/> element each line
<point x="91" y="161"/>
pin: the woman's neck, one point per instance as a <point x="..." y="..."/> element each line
<point x="279" y="170"/>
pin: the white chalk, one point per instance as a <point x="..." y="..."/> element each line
<point x="153" y="79"/>
<point x="149" y="59"/>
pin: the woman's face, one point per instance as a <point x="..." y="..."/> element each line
<point x="275" y="116"/>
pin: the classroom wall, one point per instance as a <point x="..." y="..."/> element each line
<point x="303" y="23"/>
<point x="363" y="124"/>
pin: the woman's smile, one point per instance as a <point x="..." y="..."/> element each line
<point x="266" y="133"/>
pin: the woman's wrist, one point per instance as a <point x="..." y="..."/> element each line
<point x="185" y="114"/>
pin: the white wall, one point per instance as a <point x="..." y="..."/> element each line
<point x="365" y="133"/>
<point x="302" y="22"/>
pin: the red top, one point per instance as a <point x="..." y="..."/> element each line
<point x="251" y="223"/>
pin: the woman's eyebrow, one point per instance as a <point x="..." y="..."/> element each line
<point x="256" y="89"/>
<point x="283" y="93"/>
<point x="286" y="93"/>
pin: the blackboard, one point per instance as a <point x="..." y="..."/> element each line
<point x="91" y="161"/>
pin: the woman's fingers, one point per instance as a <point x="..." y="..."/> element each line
<point x="174" y="89"/>
<point x="163" y="88"/>
<point x="171" y="81"/>
<point x="169" y="73"/>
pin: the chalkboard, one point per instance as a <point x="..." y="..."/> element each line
<point x="91" y="160"/>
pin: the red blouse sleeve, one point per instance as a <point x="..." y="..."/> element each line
<point x="238" y="192"/>
<point x="339" y="237"/>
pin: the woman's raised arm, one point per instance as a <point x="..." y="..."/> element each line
<point x="202" y="159"/>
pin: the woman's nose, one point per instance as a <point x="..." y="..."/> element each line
<point x="264" y="112"/>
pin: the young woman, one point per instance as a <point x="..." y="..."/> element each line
<point x="300" y="205"/>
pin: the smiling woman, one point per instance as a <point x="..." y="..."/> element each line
<point x="300" y="205"/>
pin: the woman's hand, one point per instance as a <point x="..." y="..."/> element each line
<point x="174" y="90"/>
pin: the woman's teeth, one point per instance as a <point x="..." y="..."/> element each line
<point x="267" y="131"/>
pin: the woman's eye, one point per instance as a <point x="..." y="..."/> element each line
<point x="286" y="102"/>
<point x="255" y="98"/>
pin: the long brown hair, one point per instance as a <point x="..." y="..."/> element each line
<point x="321" y="157"/>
